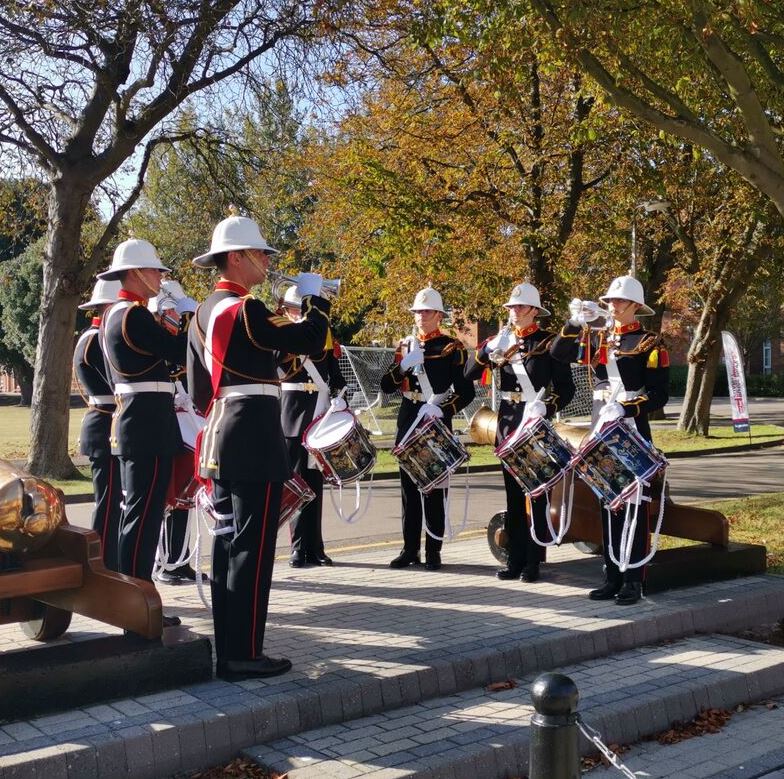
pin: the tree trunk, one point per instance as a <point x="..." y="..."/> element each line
<point x="61" y="289"/>
<point x="703" y="360"/>
<point x="23" y="374"/>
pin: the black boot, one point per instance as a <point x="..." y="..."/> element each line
<point x="298" y="559"/>
<point x="530" y="573"/>
<point x="405" y="558"/>
<point x="432" y="561"/>
<point x="629" y="594"/>
<point x="509" y="573"/>
<point x="607" y="591"/>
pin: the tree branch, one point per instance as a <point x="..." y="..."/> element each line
<point x="36" y="140"/>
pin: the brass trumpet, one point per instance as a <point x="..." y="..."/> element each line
<point x="330" y="288"/>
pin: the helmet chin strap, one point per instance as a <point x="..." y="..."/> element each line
<point x="255" y="264"/>
<point x="153" y="292"/>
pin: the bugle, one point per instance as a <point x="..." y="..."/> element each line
<point x="330" y="288"/>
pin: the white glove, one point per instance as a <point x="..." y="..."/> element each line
<point x="592" y="311"/>
<point x="308" y="284"/>
<point x="338" y="404"/>
<point x="575" y="312"/>
<point x="186" y="305"/>
<point x="500" y="341"/>
<point x="612" y="411"/>
<point x="534" y="410"/>
<point x="431" y="410"/>
<point x="173" y="289"/>
<point x="412" y="359"/>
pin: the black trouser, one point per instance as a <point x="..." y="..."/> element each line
<point x="412" y="516"/>
<point x="145" y="481"/>
<point x="521" y="547"/>
<point x="175" y="527"/>
<point x="305" y="529"/>
<point x="640" y="545"/>
<point x="242" y="566"/>
<point x="108" y="500"/>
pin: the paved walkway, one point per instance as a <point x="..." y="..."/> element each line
<point x="364" y="638"/>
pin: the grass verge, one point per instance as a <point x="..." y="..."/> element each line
<point x="753" y="520"/>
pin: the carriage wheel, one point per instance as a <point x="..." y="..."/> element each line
<point x="496" y="537"/>
<point x="50" y="623"/>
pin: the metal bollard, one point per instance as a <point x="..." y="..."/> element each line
<point x="554" y="750"/>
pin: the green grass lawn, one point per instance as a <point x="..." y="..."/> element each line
<point x="753" y="520"/>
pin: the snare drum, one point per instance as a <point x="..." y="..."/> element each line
<point x="615" y="460"/>
<point x="295" y="496"/>
<point x="340" y="446"/>
<point x="430" y="454"/>
<point x="183" y="483"/>
<point x="537" y="458"/>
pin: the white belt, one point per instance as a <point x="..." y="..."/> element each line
<point x="100" y="400"/>
<point x="604" y="395"/>
<point x="244" y="390"/>
<point x="513" y="397"/>
<point x="304" y="386"/>
<point x="419" y="397"/>
<point x="143" y="386"/>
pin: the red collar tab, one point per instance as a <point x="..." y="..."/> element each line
<point x="96" y="321"/>
<point x="231" y="286"/>
<point x="532" y="328"/>
<point x="425" y="337"/>
<point x="123" y="294"/>
<point x="630" y="328"/>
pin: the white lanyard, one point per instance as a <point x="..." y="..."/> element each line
<point x="424" y="381"/>
<point x="323" y="388"/>
<point x="529" y="393"/>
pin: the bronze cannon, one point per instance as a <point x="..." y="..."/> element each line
<point x="680" y="521"/>
<point x="50" y="570"/>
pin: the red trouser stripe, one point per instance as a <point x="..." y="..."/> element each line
<point x="108" y="507"/>
<point x="144" y="517"/>
<point x="258" y="572"/>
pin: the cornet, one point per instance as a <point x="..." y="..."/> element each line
<point x="330" y="288"/>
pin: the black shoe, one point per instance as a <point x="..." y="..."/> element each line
<point x="433" y="561"/>
<point x="606" y="592"/>
<point x="530" y="573"/>
<point x="507" y="574"/>
<point x="171" y="622"/>
<point x="298" y="559"/>
<point x="318" y="559"/>
<point x="182" y="575"/>
<point x="630" y="593"/>
<point x="405" y="558"/>
<point x="260" y="667"/>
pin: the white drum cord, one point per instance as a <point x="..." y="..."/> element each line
<point x="630" y="526"/>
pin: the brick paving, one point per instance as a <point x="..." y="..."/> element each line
<point x="365" y="639"/>
<point x="626" y="697"/>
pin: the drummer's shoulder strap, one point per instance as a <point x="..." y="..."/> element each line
<point x="217" y="338"/>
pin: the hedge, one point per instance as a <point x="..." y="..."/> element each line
<point x="757" y="386"/>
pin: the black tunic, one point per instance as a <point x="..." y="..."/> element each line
<point x="90" y="369"/>
<point x="542" y="370"/>
<point x="137" y="349"/>
<point x="243" y="434"/>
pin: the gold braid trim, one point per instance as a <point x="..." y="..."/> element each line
<point x="138" y="351"/>
<point x="645" y="344"/>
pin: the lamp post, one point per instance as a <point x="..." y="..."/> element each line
<point x="650" y="207"/>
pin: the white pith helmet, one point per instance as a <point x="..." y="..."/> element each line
<point x="292" y="297"/>
<point x="628" y="288"/>
<point x="131" y="255"/>
<point x="427" y="299"/>
<point x="526" y="294"/>
<point x="232" y="235"/>
<point x="104" y="292"/>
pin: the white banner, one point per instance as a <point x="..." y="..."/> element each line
<point x="736" y="382"/>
